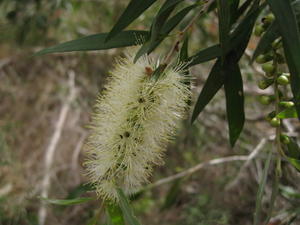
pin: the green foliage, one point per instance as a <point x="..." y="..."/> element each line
<point x="66" y="202"/>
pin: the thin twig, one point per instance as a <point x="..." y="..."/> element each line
<point x="50" y="151"/>
<point x="253" y="154"/>
<point x="197" y="168"/>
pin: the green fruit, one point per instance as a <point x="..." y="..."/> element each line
<point x="270" y="116"/>
<point x="265" y="99"/>
<point x="263" y="58"/>
<point x="277" y="44"/>
<point x="287" y="104"/>
<point x="275" y="122"/>
<point x="263" y="84"/>
<point x="267" y="20"/>
<point x="285" y="139"/>
<point x="283" y="80"/>
<point x="258" y="30"/>
<point x="268" y="68"/>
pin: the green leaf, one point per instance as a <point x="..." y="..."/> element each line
<point x="243" y="8"/>
<point x="114" y="215"/>
<point x="97" y="42"/>
<point x="162" y="17"/>
<point x="238" y="40"/>
<point x="288" y="113"/>
<point x="65" y="202"/>
<point x="260" y="193"/>
<point x="224" y="25"/>
<point x="126" y="209"/>
<point x="149" y="46"/>
<point x="266" y="40"/>
<point x="294" y="162"/>
<point x="212" y="85"/>
<point x="205" y="55"/>
<point x="183" y="54"/>
<point x="234" y="100"/>
<point x="292" y="149"/>
<point x="79" y="190"/>
<point x="287" y="23"/>
<point x="274" y="194"/>
<point x="172" y="194"/>
<point x="289" y="192"/>
<point x="134" y="9"/>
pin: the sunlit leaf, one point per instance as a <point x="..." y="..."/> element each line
<point x="288" y="113"/>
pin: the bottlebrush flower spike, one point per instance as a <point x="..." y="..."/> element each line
<point x="134" y="119"/>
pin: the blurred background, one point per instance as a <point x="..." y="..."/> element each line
<point x="45" y="106"/>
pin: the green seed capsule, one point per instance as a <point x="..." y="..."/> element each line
<point x="270" y="116"/>
<point x="265" y="99"/>
<point x="268" y="68"/>
<point x="287" y="104"/>
<point x="275" y="122"/>
<point x="258" y="30"/>
<point x="277" y="44"/>
<point x="263" y="58"/>
<point x="267" y="20"/>
<point x="263" y="84"/>
<point x="285" y="139"/>
<point x="283" y="80"/>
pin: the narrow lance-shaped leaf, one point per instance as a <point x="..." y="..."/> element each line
<point x="162" y="17"/>
<point x="288" y="113"/>
<point x="205" y="55"/>
<point x="287" y="23"/>
<point x="212" y="85"/>
<point x="126" y="209"/>
<point x="234" y="100"/>
<point x="261" y="188"/>
<point x="97" y="42"/>
<point x="134" y="9"/>
<point x="241" y="35"/>
<point x="66" y="202"/>
<point x="149" y="46"/>
<point x="224" y="25"/>
<point x="114" y="215"/>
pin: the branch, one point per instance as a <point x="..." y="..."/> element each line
<point x="50" y="151"/>
<point x="253" y="154"/>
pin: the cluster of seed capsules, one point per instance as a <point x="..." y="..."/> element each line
<point x="273" y="64"/>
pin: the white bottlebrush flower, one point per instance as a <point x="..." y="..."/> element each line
<point x="135" y="117"/>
